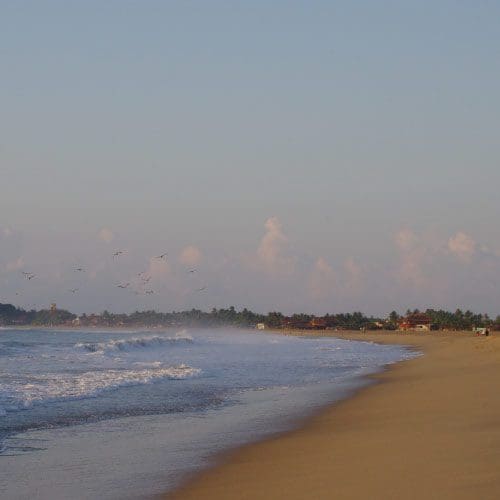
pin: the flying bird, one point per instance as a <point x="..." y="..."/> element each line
<point x="149" y="292"/>
<point x="123" y="285"/>
<point x="192" y="270"/>
<point x="201" y="289"/>
<point x="117" y="253"/>
<point x="162" y="256"/>
<point x="28" y="276"/>
<point x="79" y="269"/>
<point x="73" y="290"/>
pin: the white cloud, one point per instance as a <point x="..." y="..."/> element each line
<point x="271" y="251"/>
<point x="462" y="246"/>
<point x="322" y="280"/>
<point x="354" y="279"/>
<point x="406" y="239"/>
<point x="190" y="256"/>
<point x="158" y="268"/>
<point x="326" y="283"/>
<point x="423" y="259"/>
<point x="413" y="253"/>
<point x="105" y="234"/>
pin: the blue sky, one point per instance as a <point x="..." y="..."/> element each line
<point x="305" y="156"/>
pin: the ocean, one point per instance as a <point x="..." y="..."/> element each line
<point x="88" y="414"/>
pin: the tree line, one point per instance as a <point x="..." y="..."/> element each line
<point x="440" y="319"/>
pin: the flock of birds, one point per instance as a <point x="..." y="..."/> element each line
<point x="143" y="277"/>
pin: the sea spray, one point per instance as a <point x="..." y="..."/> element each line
<point x="126" y="345"/>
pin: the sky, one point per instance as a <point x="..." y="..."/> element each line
<point x="301" y="156"/>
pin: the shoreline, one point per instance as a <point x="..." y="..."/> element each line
<point x="428" y="426"/>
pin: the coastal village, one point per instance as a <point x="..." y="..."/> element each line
<point x="411" y="321"/>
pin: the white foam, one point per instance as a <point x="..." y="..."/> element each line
<point x="49" y="388"/>
<point x="127" y="345"/>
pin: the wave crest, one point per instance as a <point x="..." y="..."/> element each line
<point x="52" y="388"/>
<point x="126" y="345"/>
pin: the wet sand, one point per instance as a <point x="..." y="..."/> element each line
<point x="430" y="428"/>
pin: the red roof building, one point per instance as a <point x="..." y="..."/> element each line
<point x="416" y="321"/>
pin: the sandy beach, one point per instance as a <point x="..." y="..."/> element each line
<point x="429" y="428"/>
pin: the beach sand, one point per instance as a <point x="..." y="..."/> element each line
<point x="430" y="429"/>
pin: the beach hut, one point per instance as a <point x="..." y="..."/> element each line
<point x="481" y="331"/>
<point x="419" y="322"/>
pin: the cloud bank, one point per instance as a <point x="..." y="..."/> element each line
<point x="462" y="246"/>
<point x="272" y="250"/>
<point x="190" y="256"/>
<point x="415" y="268"/>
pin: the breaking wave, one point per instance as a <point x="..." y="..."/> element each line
<point x="126" y="345"/>
<point x="51" y="388"/>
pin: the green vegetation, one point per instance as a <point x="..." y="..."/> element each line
<point x="445" y="320"/>
<point x="10" y="315"/>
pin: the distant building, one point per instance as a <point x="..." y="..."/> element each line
<point x="481" y="331"/>
<point x="261" y="326"/>
<point x="303" y="324"/>
<point x="417" y="322"/>
<point x="295" y="324"/>
<point x="318" y="324"/>
<point x="53" y="307"/>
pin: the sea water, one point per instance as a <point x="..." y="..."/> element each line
<point x="127" y="414"/>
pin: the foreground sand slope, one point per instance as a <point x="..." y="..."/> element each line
<point x="430" y="430"/>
